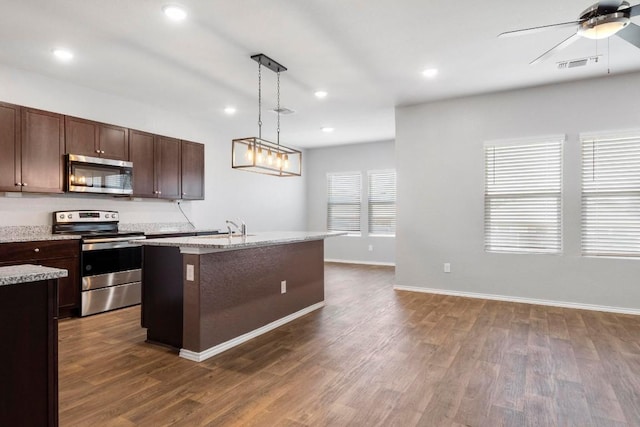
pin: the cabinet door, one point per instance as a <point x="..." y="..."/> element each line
<point x="141" y="152"/>
<point x="168" y="163"/>
<point x="192" y="170"/>
<point x="42" y="151"/>
<point x="10" y="147"/>
<point x="81" y="137"/>
<point x="68" y="287"/>
<point x="29" y="365"/>
<point x="113" y="142"/>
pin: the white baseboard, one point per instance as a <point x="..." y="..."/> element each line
<point x="551" y="303"/>
<point x="346" y="261"/>
<point x="212" y="351"/>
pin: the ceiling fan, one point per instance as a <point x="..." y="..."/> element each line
<point x="599" y="21"/>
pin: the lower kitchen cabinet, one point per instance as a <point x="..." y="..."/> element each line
<point x="29" y="359"/>
<point x="63" y="254"/>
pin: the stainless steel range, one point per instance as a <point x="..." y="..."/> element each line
<point x="110" y="264"/>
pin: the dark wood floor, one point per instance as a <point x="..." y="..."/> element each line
<point x="372" y="356"/>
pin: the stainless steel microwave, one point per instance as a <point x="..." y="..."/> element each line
<point x="95" y="175"/>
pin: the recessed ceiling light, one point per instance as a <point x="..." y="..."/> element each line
<point x="321" y="94"/>
<point x="230" y="110"/>
<point x="63" y="54"/>
<point x="327" y="129"/>
<point x="174" y="12"/>
<point x="430" y="73"/>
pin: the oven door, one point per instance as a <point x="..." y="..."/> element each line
<point x="95" y="175"/>
<point x="110" y="264"/>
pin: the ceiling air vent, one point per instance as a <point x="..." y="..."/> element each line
<point x="283" y="110"/>
<point x="577" y="62"/>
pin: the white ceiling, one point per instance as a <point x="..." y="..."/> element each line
<point x="368" y="54"/>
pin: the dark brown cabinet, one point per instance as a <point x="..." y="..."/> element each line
<point x="10" y="147"/>
<point x="141" y="154"/>
<point x="33" y="142"/>
<point x="167" y="158"/>
<point x="88" y="138"/>
<point x="192" y="170"/>
<point x="156" y="165"/>
<point x="29" y="363"/>
<point x="63" y="254"/>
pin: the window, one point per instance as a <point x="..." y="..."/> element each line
<point x="343" y="207"/>
<point x="523" y="196"/>
<point x="611" y="194"/>
<point x="382" y="203"/>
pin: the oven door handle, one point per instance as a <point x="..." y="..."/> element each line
<point x="95" y="246"/>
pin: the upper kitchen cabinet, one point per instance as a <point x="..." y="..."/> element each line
<point x="94" y="139"/>
<point x="192" y="170"/>
<point x="32" y="144"/>
<point x="167" y="162"/>
<point x="42" y="149"/>
<point x="10" y="147"/>
<point x="141" y="154"/>
<point x="156" y="165"/>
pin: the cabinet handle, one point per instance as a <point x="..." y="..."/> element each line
<point x="36" y="250"/>
<point x="102" y="152"/>
<point x="97" y="151"/>
<point x="184" y="194"/>
<point x="19" y="184"/>
<point x="24" y="184"/>
<point x="159" y="192"/>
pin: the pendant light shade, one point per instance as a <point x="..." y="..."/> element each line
<point x="255" y="154"/>
<point x="259" y="155"/>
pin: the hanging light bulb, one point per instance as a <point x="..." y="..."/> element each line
<point x="259" y="157"/>
<point x="286" y="161"/>
<point x="279" y="160"/>
<point x="250" y="153"/>
<point x="269" y="157"/>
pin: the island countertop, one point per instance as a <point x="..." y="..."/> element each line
<point x="28" y="273"/>
<point x="215" y="243"/>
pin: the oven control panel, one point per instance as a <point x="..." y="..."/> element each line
<point x="62" y="217"/>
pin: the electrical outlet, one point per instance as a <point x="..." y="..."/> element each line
<point x="370" y="248"/>
<point x="283" y="287"/>
<point x="190" y="272"/>
<point x="447" y="267"/>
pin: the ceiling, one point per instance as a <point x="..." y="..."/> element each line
<point x="368" y="55"/>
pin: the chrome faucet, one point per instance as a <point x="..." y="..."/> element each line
<point x="241" y="228"/>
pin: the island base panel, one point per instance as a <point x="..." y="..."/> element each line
<point x="236" y="292"/>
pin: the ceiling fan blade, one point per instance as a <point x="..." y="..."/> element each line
<point x="538" y="29"/>
<point x="566" y="42"/>
<point x="633" y="10"/>
<point x="631" y="33"/>
<point x="608" y="6"/>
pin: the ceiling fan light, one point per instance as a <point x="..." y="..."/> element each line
<point x="602" y="27"/>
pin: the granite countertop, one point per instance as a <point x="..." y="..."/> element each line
<point x="151" y="229"/>
<point x="31" y="233"/>
<point x="25" y="273"/>
<point x="224" y="242"/>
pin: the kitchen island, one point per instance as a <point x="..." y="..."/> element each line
<point x="206" y="294"/>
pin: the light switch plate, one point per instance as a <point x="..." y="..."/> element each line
<point x="190" y="273"/>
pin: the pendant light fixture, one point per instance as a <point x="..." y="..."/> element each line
<point x="255" y="154"/>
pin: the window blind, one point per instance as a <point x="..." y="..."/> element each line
<point x="344" y="200"/>
<point x="523" y="196"/>
<point x="611" y="195"/>
<point x="382" y="202"/>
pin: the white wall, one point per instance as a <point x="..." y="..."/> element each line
<point x="264" y="202"/>
<point x="348" y="158"/>
<point x="439" y="153"/>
